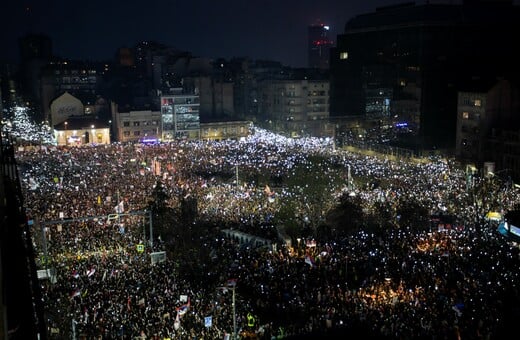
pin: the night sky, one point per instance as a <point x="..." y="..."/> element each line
<point x="94" y="29"/>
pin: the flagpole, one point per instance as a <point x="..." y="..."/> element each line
<point x="73" y="329"/>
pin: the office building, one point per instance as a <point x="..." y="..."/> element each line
<point x="409" y="61"/>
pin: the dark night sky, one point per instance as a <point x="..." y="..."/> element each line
<point x="94" y="29"/>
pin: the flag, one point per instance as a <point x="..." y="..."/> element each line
<point x="208" y="321"/>
<point x="232" y="283"/>
<point x="75" y="293"/>
<point x="223" y="289"/>
<point x="99" y="200"/>
<point x="310" y="261"/>
<point x="457" y="310"/>
<point x="120" y="208"/>
<point x="75" y="274"/>
<point x="182" y="309"/>
<point x="177" y="322"/>
<point x="269" y="193"/>
<point x="91" y="272"/>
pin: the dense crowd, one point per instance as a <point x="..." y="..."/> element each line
<point x="403" y="282"/>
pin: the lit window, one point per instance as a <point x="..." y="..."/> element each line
<point x="343" y="55"/>
<point x="478" y="102"/>
<point x="465" y="115"/>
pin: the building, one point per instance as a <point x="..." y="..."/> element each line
<point x="22" y="310"/>
<point x="80" y="79"/>
<point x="295" y="106"/>
<point x="224" y="130"/>
<point x="65" y="106"/>
<point x="180" y="117"/>
<point x="81" y="130"/>
<point x="319" y="45"/>
<point x="215" y="95"/>
<point x="136" y="126"/>
<point x="35" y="53"/>
<point x="410" y="61"/>
<point x="471" y="118"/>
<point x="488" y="127"/>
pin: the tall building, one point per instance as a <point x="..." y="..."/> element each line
<point x="319" y="46"/>
<point x="35" y="53"/>
<point x="409" y="61"/>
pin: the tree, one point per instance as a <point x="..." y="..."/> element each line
<point x="347" y="217"/>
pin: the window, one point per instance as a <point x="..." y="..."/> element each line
<point x="478" y="102"/>
<point x="136" y="123"/>
<point x="126" y="133"/>
<point x="343" y="55"/>
<point x="126" y="123"/>
<point x="465" y="115"/>
<point x="137" y="133"/>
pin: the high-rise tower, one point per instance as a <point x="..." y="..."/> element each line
<point x="319" y="46"/>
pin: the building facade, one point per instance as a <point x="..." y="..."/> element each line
<point x="292" y="106"/>
<point x="64" y="107"/>
<point x="225" y="130"/>
<point x="136" y="126"/>
<point x="81" y="130"/>
<point x="488" y="127"/>
<point x="471" y="118"/>
<point x="180" y="117"/>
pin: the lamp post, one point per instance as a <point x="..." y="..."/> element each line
<point x="66" y="132"/>
<point x="236" y="173"/>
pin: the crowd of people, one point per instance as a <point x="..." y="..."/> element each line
<point x="400" y="283"/>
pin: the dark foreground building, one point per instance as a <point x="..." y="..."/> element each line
<point x="409" y="61"/>
<point x="22" y="309"/>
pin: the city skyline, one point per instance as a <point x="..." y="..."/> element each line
<point x="269" y="30"/>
